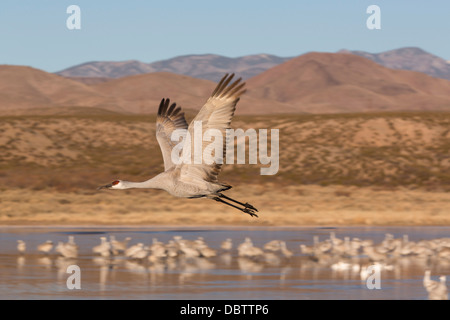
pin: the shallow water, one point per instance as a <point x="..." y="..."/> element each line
<point x="37" y="276"/>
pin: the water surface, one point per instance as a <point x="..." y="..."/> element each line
<point x="36" y="276"/>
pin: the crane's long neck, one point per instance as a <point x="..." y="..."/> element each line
<point x="153" y="183"/>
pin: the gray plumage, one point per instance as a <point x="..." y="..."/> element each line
<point x="190" y="180"/>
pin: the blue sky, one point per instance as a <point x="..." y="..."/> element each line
<point x="34" y="32"/>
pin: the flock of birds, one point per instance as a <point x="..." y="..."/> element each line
<point x="339" y="254"/>
<point x="344" y="254"/>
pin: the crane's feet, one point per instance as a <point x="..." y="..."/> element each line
<point x="249" y="211"/>
<point x="249" y="206"/>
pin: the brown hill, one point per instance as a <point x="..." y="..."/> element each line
<point x="89" y="80"/>
<point x="142" y="94"/>
<point x="333" y="82"/>
<point x="24" y="88"/>
<point x="312" y="83"/>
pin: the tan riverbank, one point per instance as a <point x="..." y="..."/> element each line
<point x="287" y="206"/>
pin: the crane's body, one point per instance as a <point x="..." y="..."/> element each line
<point x="168" y="181"/>
<point x="192" y="180"/>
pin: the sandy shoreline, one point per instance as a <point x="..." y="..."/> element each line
<point x="288" y="206"/>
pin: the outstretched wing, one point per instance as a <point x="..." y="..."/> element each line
<point x="215" y="114"/>
<point x="168" y="120"/>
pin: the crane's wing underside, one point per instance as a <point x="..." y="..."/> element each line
<point x="215" y="114"/>
<point x="169" y="119"/>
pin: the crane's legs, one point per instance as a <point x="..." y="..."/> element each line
<point x="247" y="205"/>
<point x="249" y="209"/>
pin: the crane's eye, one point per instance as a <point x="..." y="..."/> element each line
<point x="115" y="182"/>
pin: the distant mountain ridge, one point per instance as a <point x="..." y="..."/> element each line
<point x="107" y="69"/>
<point x="206" y="66"/>
<point x="212" y="67"/>
<point x="409" y="58"/>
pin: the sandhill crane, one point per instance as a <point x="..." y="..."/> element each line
<point x="227" y="245"/>
<point x="204" y="250"/>
<point x="141" y="253"/>
<point x="247" y="243"/>
<point x="285" y="251"/>
<point x="45" y="247"/>
<point x="21" y="246"/>
<point x="444" y="253"/>
<point x="119" y="246"/>
<point x="188" y="251"/>
<point x="133" y="249"/>
<point x="374" y="255"/>
<point x="274" y="245"/>
<point x="246" y="249"/>
<point x="104" y="248"/>
<point x="191" y="180"/>
<point x="436" y="290"/>
<point x="157" y="253"/>
<point x="67" y="250"/>
<point x="172" y="249"/>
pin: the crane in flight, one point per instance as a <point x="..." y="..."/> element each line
<point x="191" y="180"/>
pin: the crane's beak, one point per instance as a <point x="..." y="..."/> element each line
<point x="106" y="186"/>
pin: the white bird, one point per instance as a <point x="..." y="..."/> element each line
<point x="72" y="246"/>
<point x="45" y="247"/>
<point x="334" y="240"/>
<point x="285" y="251"/>
<point x="436" y="290"/>
<point x="188" y="251"/>
<point x="191" y="180"/>
<point x="21" y="246"/>
<point x="118" y="246"/>
<point x="444" y="253"/>
<point x="206" y="251"/>
<point x="104" y="248"/>
<point x="374" y="255"/>
<point x="133" y="249"/>
<point x="307" y="250"/>
<point x="172" y="249"/>
<point x="247" y="243"/>
<point x="249" y="251"/>
<point x="68" y="249"/>
<point x="158" y="251"/>
<point x="71" y="240"/>
<point x="227" y="245"/>
<point x="274" y="245"/>
<point x="140" y="254"/>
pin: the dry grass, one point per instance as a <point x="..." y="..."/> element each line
<point x="388" y="168"/>
<point x="290" y="206"/>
